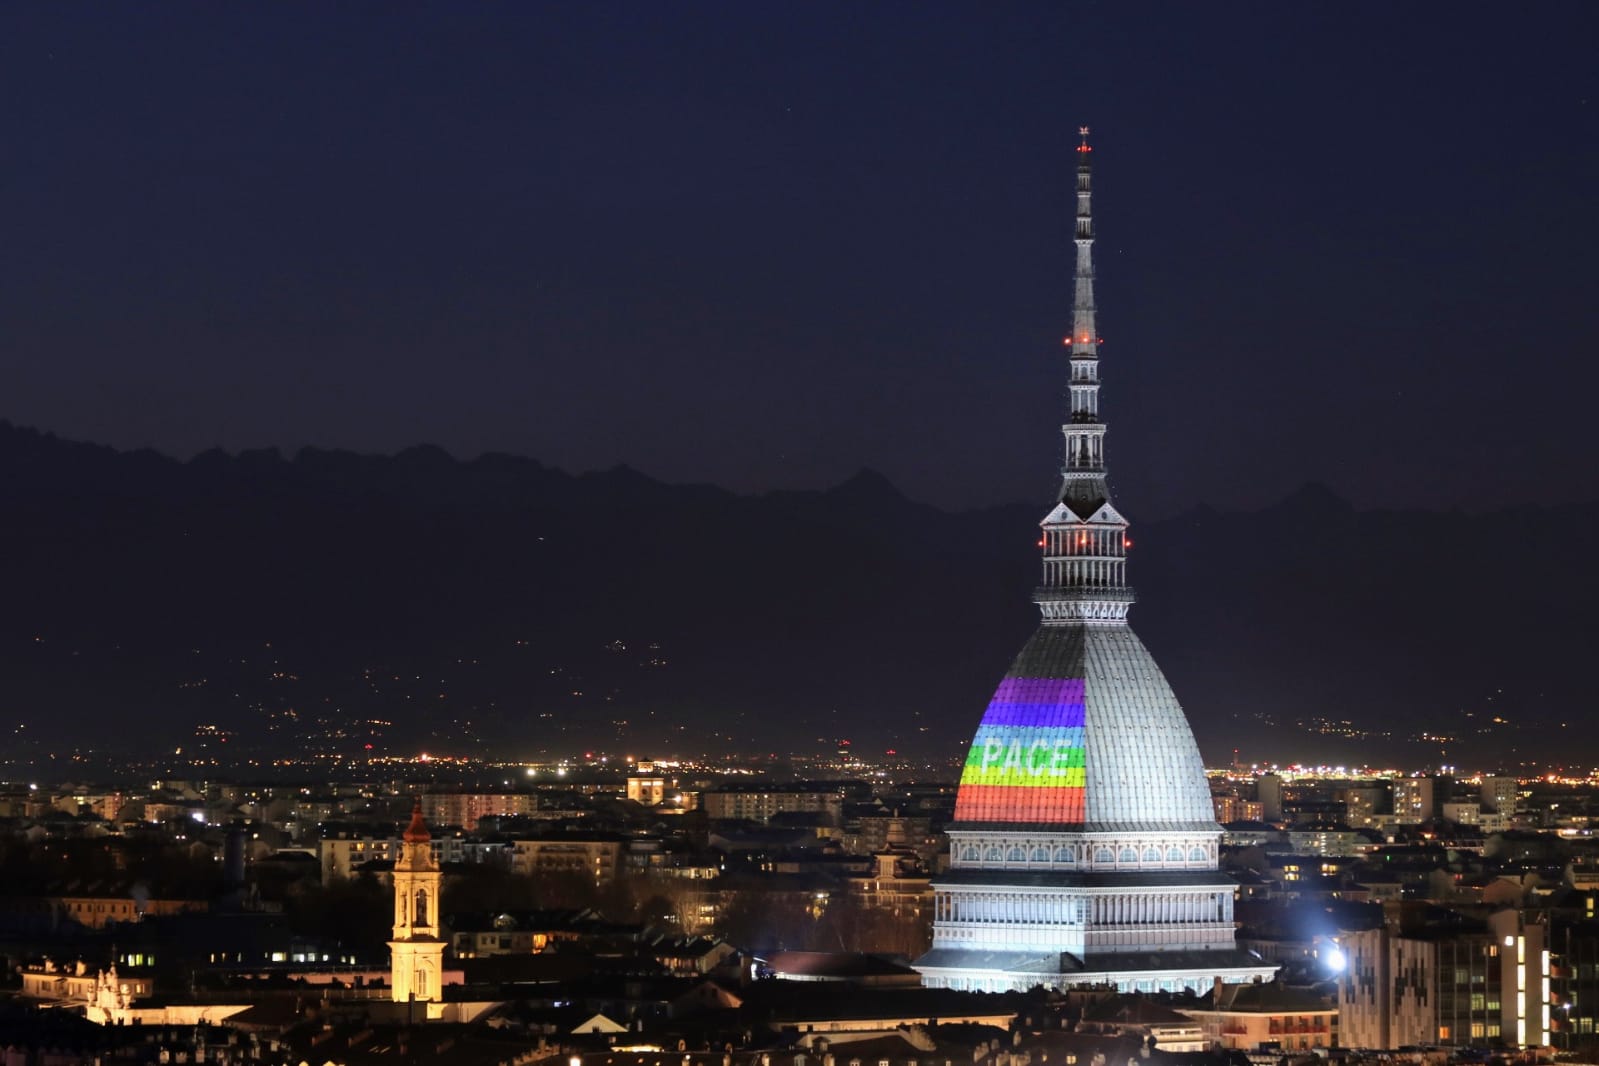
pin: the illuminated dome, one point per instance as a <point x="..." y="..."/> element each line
<point x="1084" y="846"/>
<point x="1084" y="734"/>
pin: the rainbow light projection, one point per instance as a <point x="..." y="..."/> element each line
<point x="1026" y="762"/>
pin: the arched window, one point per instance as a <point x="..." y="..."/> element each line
<point x="421" y="907"/>
<point x="1174" y="854"/>
<point x="1065" y="854"/>
<point x="1040" y="854"/>
<point x="969" y="853"/>
<point x="1016" y="854"/>
<point x="994" y="855"/>
<point x="1151" y="854"/>
<point x="1128" y="855"/>
<point x="1196" y="854"/>
<point x="1104" y="855"/>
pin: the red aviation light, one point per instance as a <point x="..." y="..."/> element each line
<point x="1127" y="542"/>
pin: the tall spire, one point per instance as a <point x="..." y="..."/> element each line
<point x="1085" y="541"/>
<point x="1084" y="844"/>
<point x="1083" y="476"/>
<point x="417" y="831"/>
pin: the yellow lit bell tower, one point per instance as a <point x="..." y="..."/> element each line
<point x="416" y="954"/>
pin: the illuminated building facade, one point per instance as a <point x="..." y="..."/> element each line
<point x="1248" y="1017"/>
<point x="466" y="808"/>
<point x="648" y="789"/>
<point x="416" y="954"/>
<point x="1415" y="799"/>
<point x="1489" y="985"/>
<point x="760" y="803"/>
<point x="1084" y="844"/>
<point x="597" y="855"/>
<point x="1499" y="795"/>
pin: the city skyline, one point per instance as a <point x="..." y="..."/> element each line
<point x="515" y="520"/>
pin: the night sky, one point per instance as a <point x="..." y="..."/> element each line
<point x="765" y="245"/>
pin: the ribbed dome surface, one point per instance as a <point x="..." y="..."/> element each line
<point x="1085" y="734"/>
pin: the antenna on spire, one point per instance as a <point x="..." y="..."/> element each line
<point x="1082" y="131"/>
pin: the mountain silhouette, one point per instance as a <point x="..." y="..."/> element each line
<point x="331" y="600"/>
